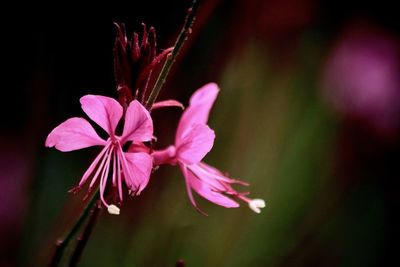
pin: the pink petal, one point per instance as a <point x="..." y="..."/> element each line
<point x="103" y="110"/>
<point x="205" y="191"/>
<point x="140" y="165"/>
<point x="196" y="143"/>
<point x="138" y="124"/>
<point x="167" y="103"/>
<point x="189" y="189"/>
<point x="199" y="108"/>
<point x="211" y="179"/>
<point x="205" y="95"/>
<point x="73" y="134"/>
<point x="219" y="175"/>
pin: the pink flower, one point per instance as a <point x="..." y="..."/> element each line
<point x="193" y="140"/>
<point x="132" y="168"/>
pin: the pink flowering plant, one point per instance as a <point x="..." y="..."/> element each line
<point x="127" y="156"/>
<point x="132" y="169"/>
<point x="193" y="140"/>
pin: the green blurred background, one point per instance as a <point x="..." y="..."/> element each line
<point x="322" y="156"/>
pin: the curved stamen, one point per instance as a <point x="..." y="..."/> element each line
<point x="127" y="173"/>
<point x="255" y="204"/>
<point x="206" y="169"/>
<point x="92" y="166"/>
<point x="119" y="179"/>
<point x="94" y="179"/>
<point x="212" y="180"/>
<point x="104" y="176"/>
<point x="114" y="175"/>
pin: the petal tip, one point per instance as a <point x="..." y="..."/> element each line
<point x="48" y="142"/>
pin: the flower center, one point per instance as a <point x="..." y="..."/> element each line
<point x="115" y="140"/>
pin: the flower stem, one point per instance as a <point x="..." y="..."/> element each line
<point x="83" y="239"/>
<point x="62" y="244"/>
<point x="182" y="37"/>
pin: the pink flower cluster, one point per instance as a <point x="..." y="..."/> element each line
<point x="128" y="159"/>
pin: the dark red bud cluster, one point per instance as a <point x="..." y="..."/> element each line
<point x="134" y="62"/>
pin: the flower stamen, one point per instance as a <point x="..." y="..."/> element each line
<point x="255" y="204"/>
<point x="112" y="209"/>
<point x="104" y="176"/>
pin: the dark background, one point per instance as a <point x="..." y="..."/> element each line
<point x="326" y="164"/>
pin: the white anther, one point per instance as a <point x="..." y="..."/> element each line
<point x="112" y="209"/>
<point x="257" y="204"/>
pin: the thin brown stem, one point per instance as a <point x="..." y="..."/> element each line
<point x="83" y="239"/>
<point x="182" y="37"/>
<point x="62" y="244"/>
